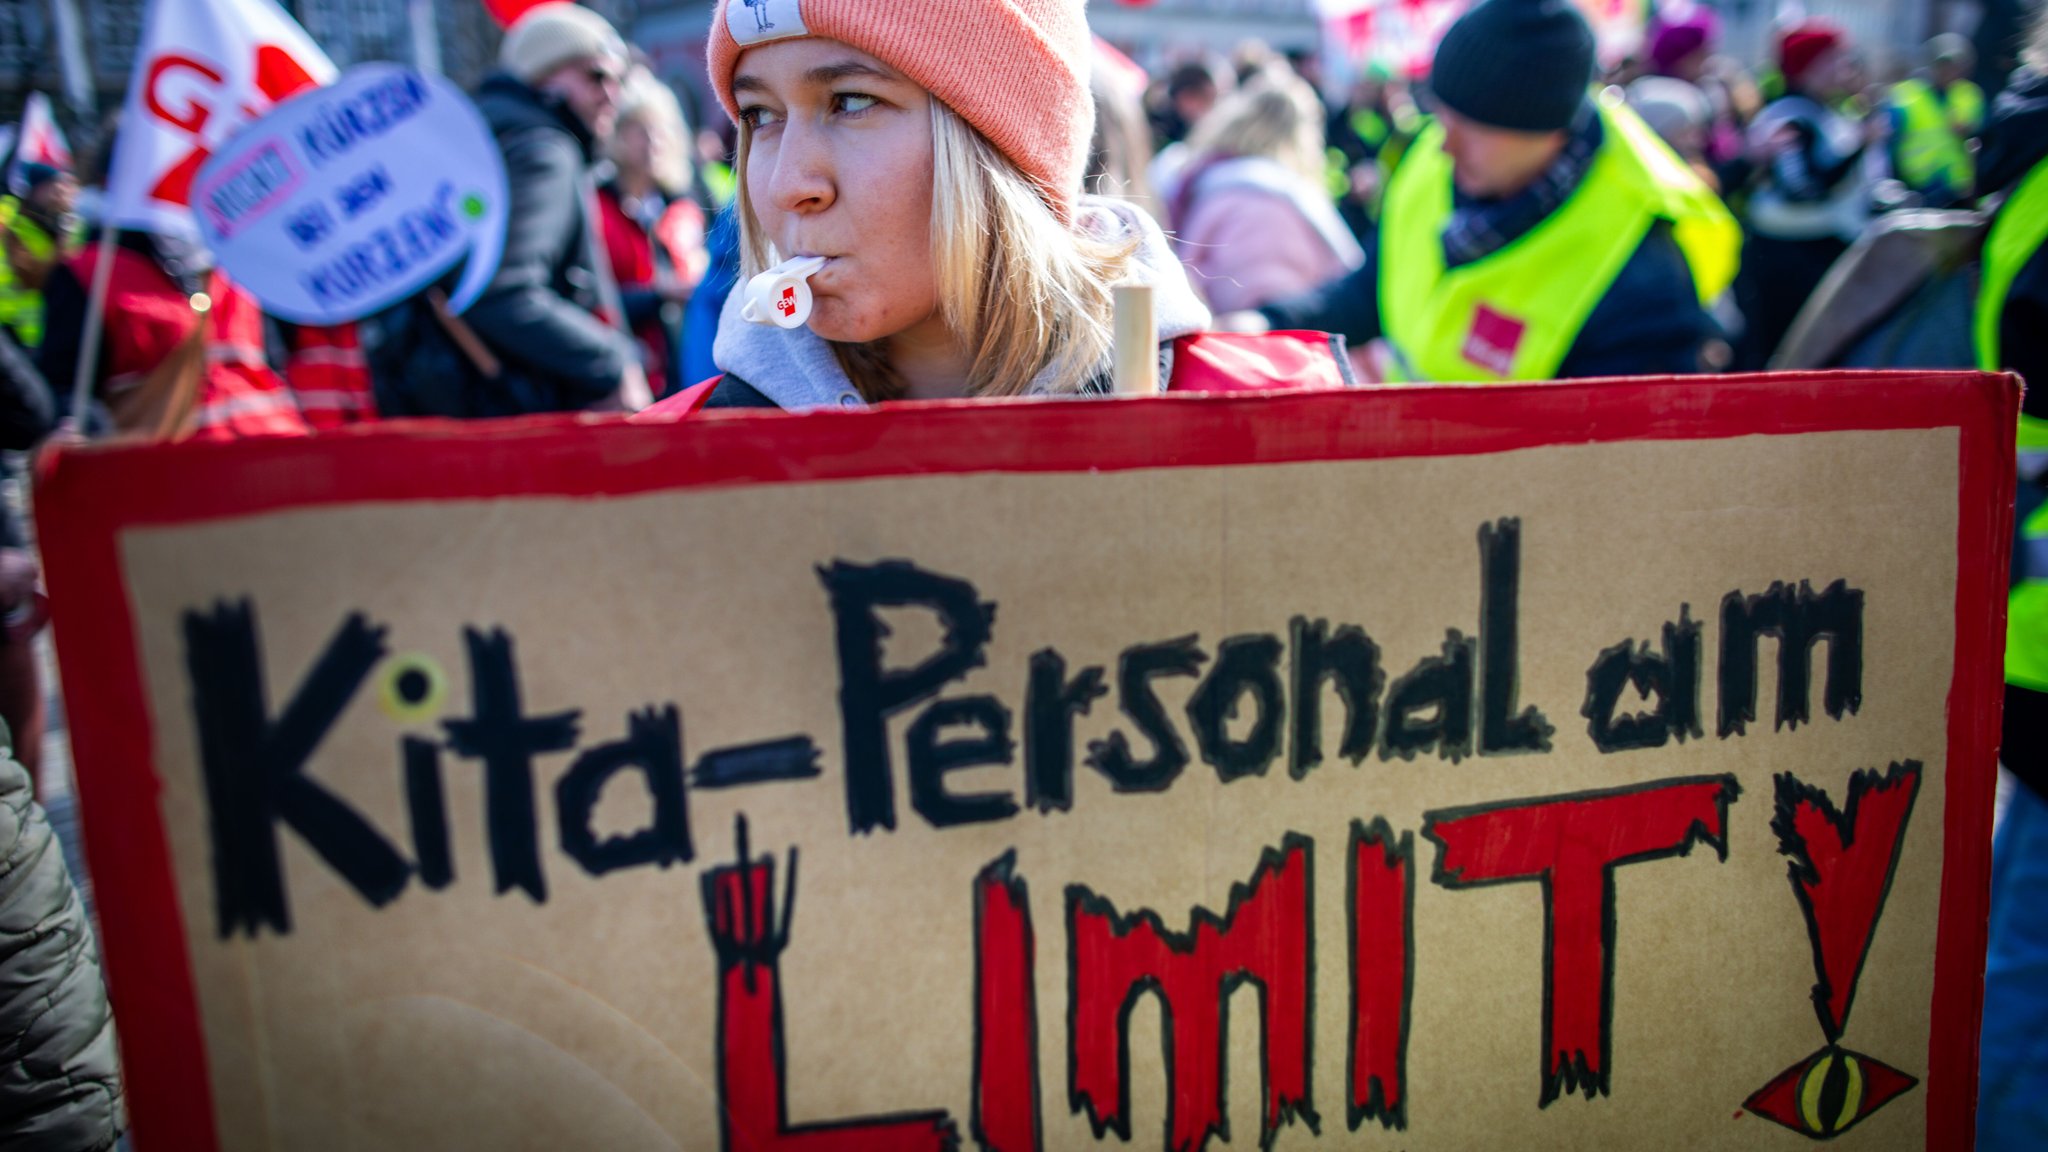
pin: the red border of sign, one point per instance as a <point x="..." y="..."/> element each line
<point x="86" y="496"/>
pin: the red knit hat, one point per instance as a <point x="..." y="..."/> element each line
<point x="1017" y="70"/>
<point x="1804" y="43"/>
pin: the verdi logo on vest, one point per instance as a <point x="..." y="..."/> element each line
<point x="1493" y="339"/>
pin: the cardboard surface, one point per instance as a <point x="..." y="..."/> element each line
<point x="1503" y="936"/>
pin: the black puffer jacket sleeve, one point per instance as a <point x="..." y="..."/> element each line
<point x="1348" y="305"/>
<point x="523" y="314"/>
<point x="60" y="1082"/>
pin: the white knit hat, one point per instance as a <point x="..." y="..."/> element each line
<point x="548" y="36"/>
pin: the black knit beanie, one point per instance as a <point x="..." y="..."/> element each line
<point x="1524" y="65"/>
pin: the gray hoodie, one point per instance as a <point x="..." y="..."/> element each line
<point x="795" y="368"/>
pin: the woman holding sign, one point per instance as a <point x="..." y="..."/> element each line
<point x="921" y="169"/>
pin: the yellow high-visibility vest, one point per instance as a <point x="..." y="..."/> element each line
<point x="2016" y="235"/>
<point x="1935" y="129"/>
<point x="1514" y="314"/>
<point x="21" y="307"/>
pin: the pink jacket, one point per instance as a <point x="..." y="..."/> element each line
<point x="1245" y="246"/>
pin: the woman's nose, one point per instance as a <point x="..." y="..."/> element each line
<point x="803" y="180"/>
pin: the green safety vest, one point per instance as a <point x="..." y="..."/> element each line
<point x="2026" y="614"/>
<point x="1514" y="314"/>
<point x="719" y="183"/>
<point x="2018" y="232"/>
<point x="21" y="307"/>
<point x="1371" y="127"/>
<point x="1934" y="133"/>
<point x="1377" y="132"/>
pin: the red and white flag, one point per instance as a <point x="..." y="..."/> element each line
<point x="204" y="69"/>
<point x="1402" y="35"/>
<point x="41" y="141"/>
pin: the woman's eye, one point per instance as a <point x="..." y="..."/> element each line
<point x="854" y="102"/>
<point x="755" y="116"/>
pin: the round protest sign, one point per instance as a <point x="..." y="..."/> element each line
<point x="349" y="198"/>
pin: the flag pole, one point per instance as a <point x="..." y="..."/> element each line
<point x="426" y="36"/>
<point x="95" y="319"/>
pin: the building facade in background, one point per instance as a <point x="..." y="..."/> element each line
<point x="351" y="31"/>
<point x="671" y="32"/>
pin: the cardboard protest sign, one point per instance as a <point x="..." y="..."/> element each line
<point x="350" y="198"/>
<point x="1553" y="767"/>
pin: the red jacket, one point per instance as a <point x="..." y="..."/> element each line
<point x="329" y="376"/>
<point x="147" y="318"/>
<point x="672" y="250"/>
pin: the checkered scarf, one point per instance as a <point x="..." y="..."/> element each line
<point x="1478" y="228"/>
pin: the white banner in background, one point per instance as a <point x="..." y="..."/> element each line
<point x="344" y="201"/>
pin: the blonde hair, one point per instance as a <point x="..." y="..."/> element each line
<point x="1275" y="114"/>
<point x="1024" y="293"/>
<point x="650" y="103"/>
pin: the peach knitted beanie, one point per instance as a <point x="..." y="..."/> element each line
<point x="1017" y="70"/>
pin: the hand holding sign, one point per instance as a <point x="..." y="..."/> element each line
<point x="348" y="199"/>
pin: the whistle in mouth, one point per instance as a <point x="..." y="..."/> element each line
<point x="782" y="295"/>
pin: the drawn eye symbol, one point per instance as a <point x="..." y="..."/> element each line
<point x="412" y="688"/>
<point x="1829" y="1092"/>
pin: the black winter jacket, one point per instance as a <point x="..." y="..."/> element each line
<point x="1649" y="323"/>
<point x="60" y="1083"/>
<point x="2015" y="140"/>
<point x="537" y="313"/>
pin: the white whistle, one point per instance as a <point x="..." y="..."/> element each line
<point x="782" y="295"/>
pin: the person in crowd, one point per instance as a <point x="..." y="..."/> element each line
<point x="653" y="227"/>
<point x="1193" y="89"/>
<point x="707" y="303"/>
<point x="1253" y="56"/>
<point x="1365" y="140"/>
<point x="715" y="147"/>
<point x="1250" y="215"/>
<point x="1810" y="197"/>
<point x="1679" y="114"/>
<point x="2012" y="335"/>
<point x="60" y="1077"/>
<point x="37" y="230"/>
<point x="1307" y="63"/>
<point x="714" y="165"/>
<point x="1532" y="232"/>
<point x="1861" y="92"/>
<point x="961" y="257"/>
<point x="28" y="414"/>
<point x="1121" y="148"/>
<point x="181" y="347"/>
<point x="328" y="372"/>
<point x="1626" y="70"/>
<point x="1683" y="50"/>
<point x="535" y="338"/>
<point x="1934" y="121"/>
